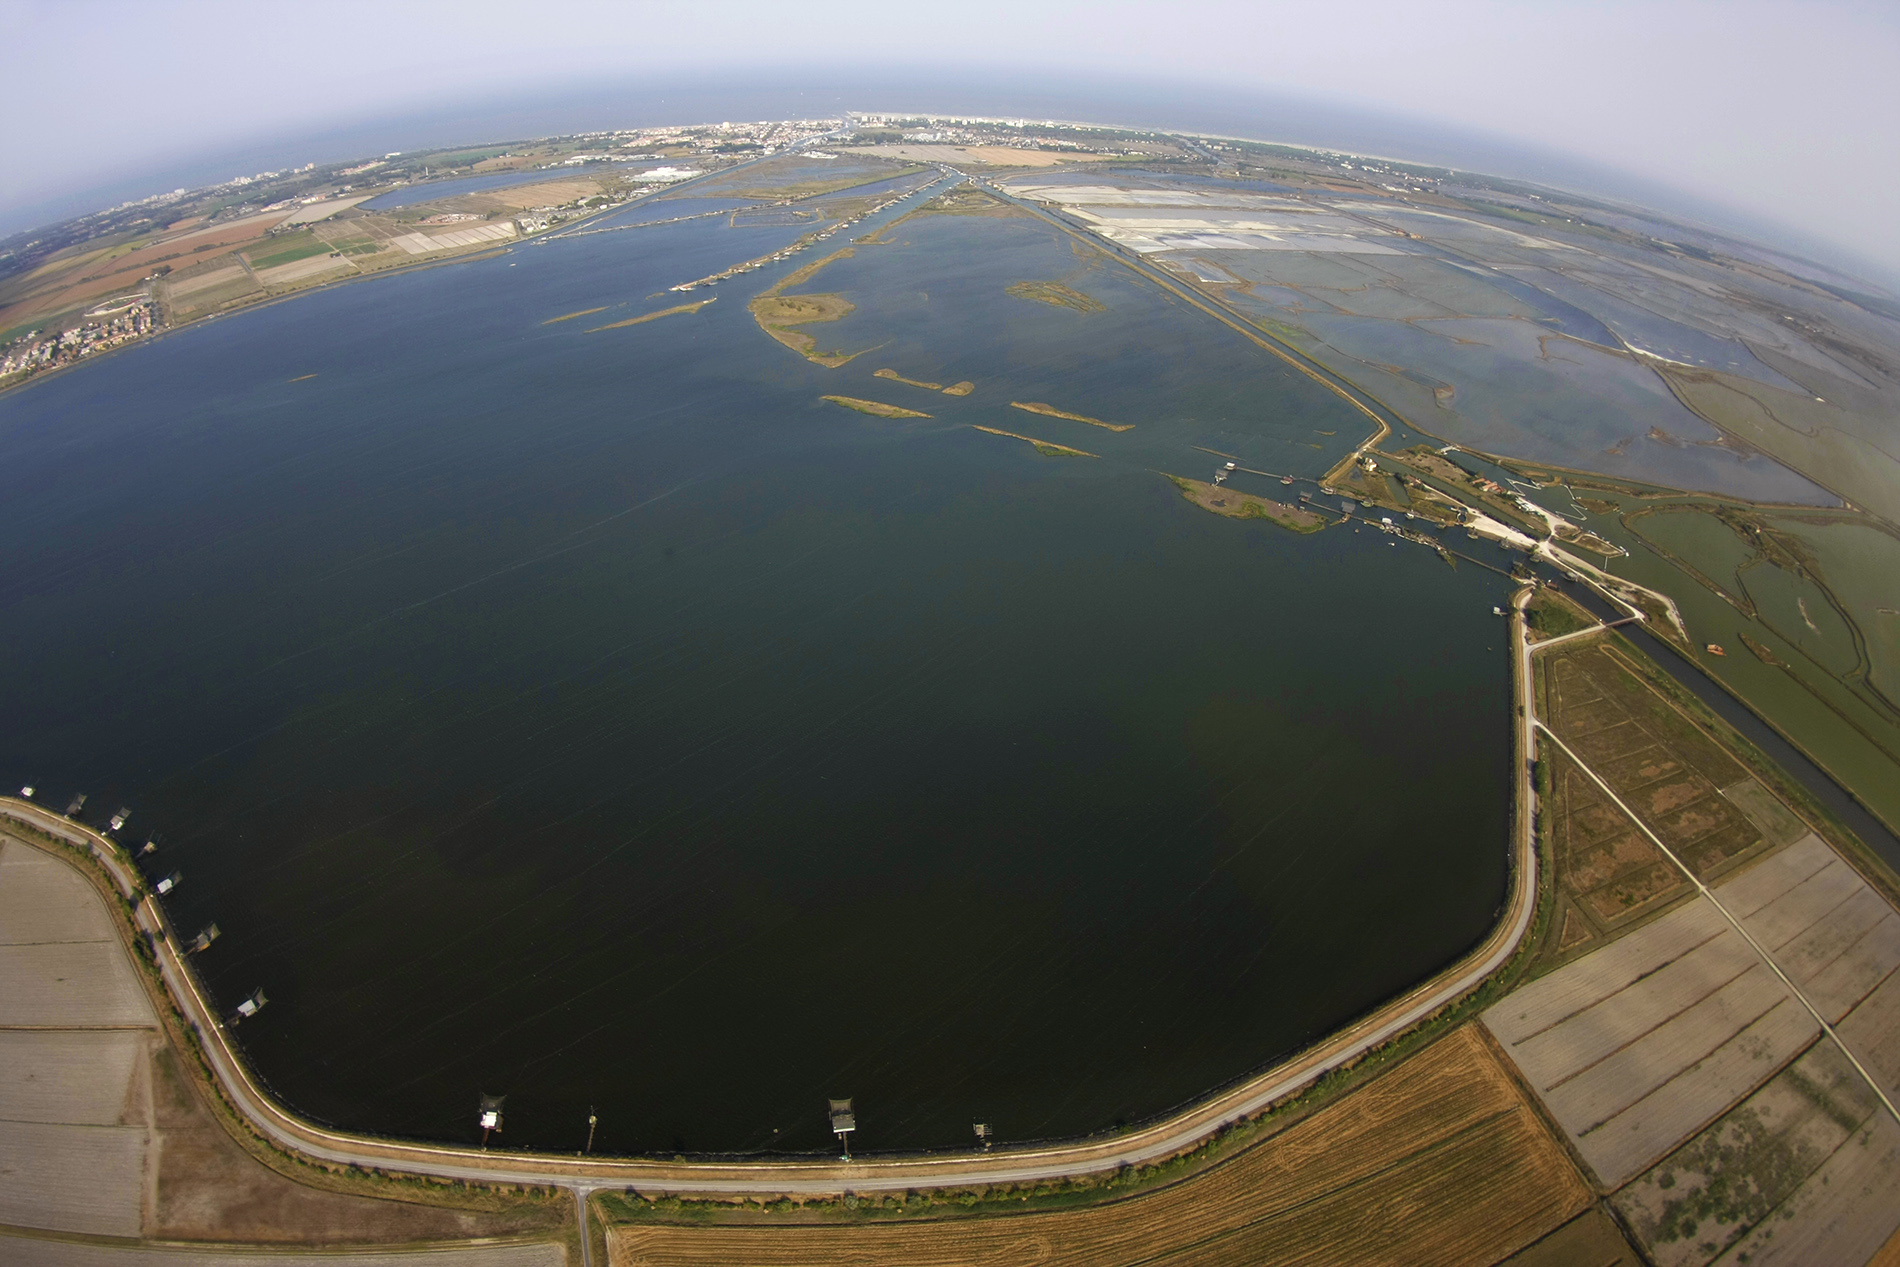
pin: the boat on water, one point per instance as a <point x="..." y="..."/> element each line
<point x="253" y="1005"/>
<point x="118" y="820"/>
<point x="77" y="803"/>
<point x="169" y="883"/>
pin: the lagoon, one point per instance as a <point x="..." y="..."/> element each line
<point x="601" y="719"/>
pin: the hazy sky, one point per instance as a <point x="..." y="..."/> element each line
<point x="1786" y="112"/>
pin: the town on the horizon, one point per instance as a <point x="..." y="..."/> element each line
<point x="58" y="308"/>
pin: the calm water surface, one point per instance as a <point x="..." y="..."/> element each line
<point x="602" y="719"/>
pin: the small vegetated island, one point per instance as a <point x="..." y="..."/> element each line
<point x="1057" y="295"/>
<point x="782" y="316"/>
<point x="1238" y="505"/>
<point x="815" y="663"/>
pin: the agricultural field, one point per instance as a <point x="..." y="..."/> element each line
<point x="1608" y="875"/>
<point x="1782" y="1177"/>
<point x="978" y="155"/>
<point x="1438" y="1160"/>
<point x="555" y="192"/>
<point x="1699" y="1090"/>
<point x="1691" y="1079"/>
<point x="83" y="275"/>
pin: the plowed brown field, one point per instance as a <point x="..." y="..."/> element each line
<point x="1439" y="1160"/>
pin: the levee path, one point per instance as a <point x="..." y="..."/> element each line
<point x="1153" y="1143"/>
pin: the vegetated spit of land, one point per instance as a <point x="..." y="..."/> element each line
<point x="569" y="316"/>
<point x="1047" y="448"/>
<point x="1439" y="1160"/>
<point x="895" y="377"/>
<point x="966" y="200"/>
<point x="652" y="316"/>
<point x="876" y="408"/>
<point x="1050" y="411"/>
<point x="1238" y="505"/>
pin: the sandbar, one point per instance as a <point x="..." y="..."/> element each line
<point x="1037" y="407"/>
<point x="652" y="316"/>
<point x="875" y="408"/>
<point x="1047" y="448"/>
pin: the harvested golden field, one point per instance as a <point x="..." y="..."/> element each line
<point x="1438" y="1160"/>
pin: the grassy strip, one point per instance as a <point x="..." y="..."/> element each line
<point x="875" y="408"/>
<point x="1050" y="411"/>
<point x="569" y="316"/>
<point x="960" y="389"/>
<point x="804" y="273"/>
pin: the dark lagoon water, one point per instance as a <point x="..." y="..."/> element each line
<point x="600" y="718"/>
